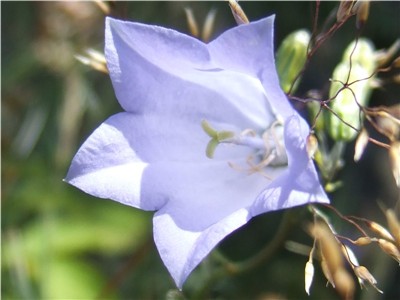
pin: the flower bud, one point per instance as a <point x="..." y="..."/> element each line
<point x="291" y="57"/>
<point x="345" y="101"/>
<point x="362" y="52"/>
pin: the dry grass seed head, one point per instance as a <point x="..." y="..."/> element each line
<point x="344" y="284"/>
<point x="379" y="229"/>
<point x="394" y="225"/>
<point x="364" y="275"/>
<point x="394" y="156"/>
<point x="329" y="246"/>
<point x="390" y="248"/>
<point x="362" y="241"/>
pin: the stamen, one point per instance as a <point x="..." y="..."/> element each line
<point x="276" y="141"/>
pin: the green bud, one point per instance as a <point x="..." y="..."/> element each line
<point x="291" y="57"/>
<point x="330" y="187"/>
<point x="345" y="103"/>
<point x="363" y="55"/>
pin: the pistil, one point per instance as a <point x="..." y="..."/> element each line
<point x="269" y="148"/>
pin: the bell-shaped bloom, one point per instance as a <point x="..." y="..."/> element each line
<point x="182" y="98"/>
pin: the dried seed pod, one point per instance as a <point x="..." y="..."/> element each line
<point x="361" y="144"/>
<point x="362" y="13"/>
<point x="362" y="241"/>
<point x="364" y="275"/>
<point x="329" y="246"/>
<point x="387" y="120"/>
<point x="309" y="275"/>
<point x="394" y="225"/>
<point x="105" y="7"/>
<point x="344" y="10"/>
<point x="385" y="56"/>
<point x="94" y="59"/>
<point x="208" y="26"/>
<point x="350" y="256"/>
<point x="96" y="55"/>
<point x="327" y="273"/>
<point x="388" y="125"/>
<point x="390" y="248"/>
<point x="396" y="62"/>
<point x="396" y="79"/>
<point x="344" y="283"/>
<point x="238" y="13"/>
<point x="311" y="145"/>
<point x="379" y="229"/>
<point x="394" y="156"/>
<point x="192" y="23"/>
<point x="309" y="270"/>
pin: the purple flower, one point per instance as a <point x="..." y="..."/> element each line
<point x="181" y="97"/>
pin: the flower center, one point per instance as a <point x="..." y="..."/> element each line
<point x="268" y="147"/>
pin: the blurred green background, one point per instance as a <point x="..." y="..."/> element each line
<point x="58" y="242"/>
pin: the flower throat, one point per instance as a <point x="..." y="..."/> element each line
<point x="269" y="150"/>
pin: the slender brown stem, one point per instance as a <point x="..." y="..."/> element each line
<point x="346" y="219"/>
